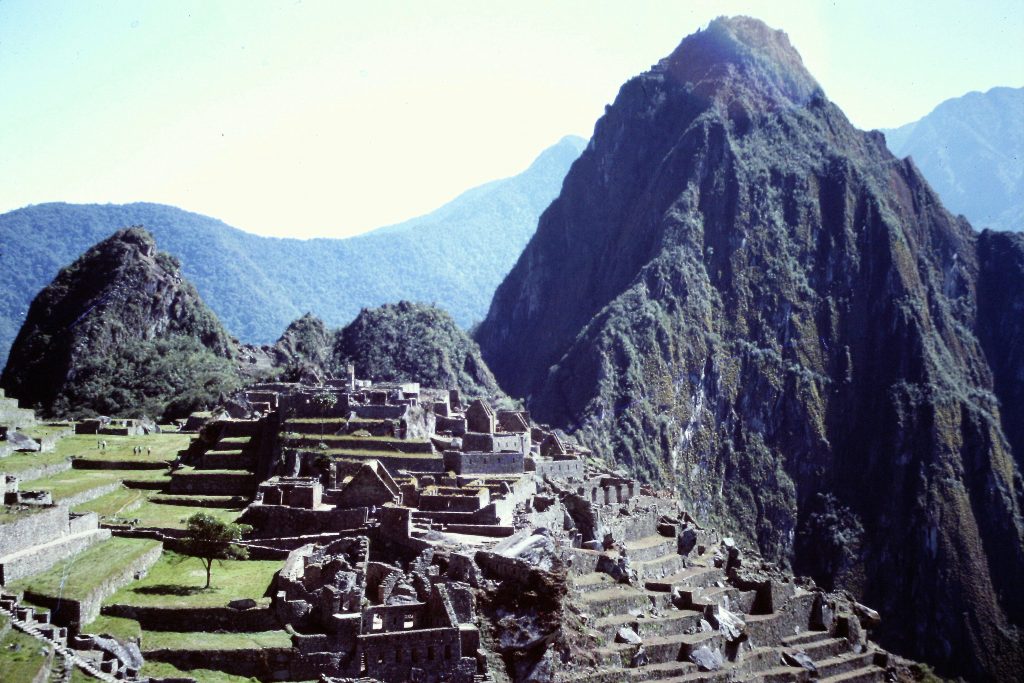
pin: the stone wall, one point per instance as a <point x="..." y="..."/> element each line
<point x="197" y="619"/>
<point x="75" y="613"/>
<point x="91" y="494"/>
<point x="483" y="463"/>
<point x="38" y="526"/>
<point x="392" y="656"/>
<point x="280" y="520"/>
<point x="390" y="618"/>
<point x="266" y="664"/>
<point x="39" y="558"/>
<point x="33" y="473"/>
<point x="559" y="469"/>
<point x="213" y="483"/>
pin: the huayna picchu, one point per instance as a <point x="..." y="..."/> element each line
<point x="741" y="296"/>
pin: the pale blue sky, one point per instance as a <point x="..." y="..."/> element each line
<point x="330" y="118"/>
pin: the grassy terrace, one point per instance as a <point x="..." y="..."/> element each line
<point x="173" y="516"/>
<point x="9" y="513"/>
<point x="21" y="656"/>
<point x="164" y="670"/>
<point x="129" y="629"/>
<point x="128" y="504"/>
<point x="333" y="420"/>
<point x="178" y="580"/>
<point x="165" y="446"/>
<point x="76" y="576"/>
<point x="19" y="462"/>
<point x="363" y="453"/>
<point x="72" y="482"/>
<point x="119" y="502"/>
<point x="193" y="472"/>
<point x="38" y="431"/>
<point x="236" y="440"/>
<point x="352" y="437"/>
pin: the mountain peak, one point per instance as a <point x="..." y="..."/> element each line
<point x="120" y="331"/>
<point x="746" y="49"/>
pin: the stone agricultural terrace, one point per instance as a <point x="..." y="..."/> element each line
<point x="398" y="533"/>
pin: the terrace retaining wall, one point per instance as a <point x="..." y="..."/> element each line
<point x="75" y="613"/>
<point x="197" y="618"/>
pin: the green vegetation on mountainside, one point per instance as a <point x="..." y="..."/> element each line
<point x="119" y="332"/>
<point x="455" y="255"/>
<point x="413" y="342"/>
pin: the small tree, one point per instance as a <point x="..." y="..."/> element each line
<point x="209" y="539"/>
<point x="324" y="400"/>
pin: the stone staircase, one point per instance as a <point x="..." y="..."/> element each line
<point x="225" y="469"/>
<point x="36" y="623"/>
<point x="664" y="624"/>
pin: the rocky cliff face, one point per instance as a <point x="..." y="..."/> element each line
<point x="119" y="332"/>
<point x="740" y="294"/>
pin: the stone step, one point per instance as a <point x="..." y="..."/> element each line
<point x="662" y="671"/>
<point x="659" y="567"/>
<point x="650" y="548"/>
<point x="691" y="577"/>
<point x="867" y="674"/>
<point x="801" y="640"/>
<point x="826" y="649"/>
<point x="712" y="596"/>
<point x="227" y="460"/>
<point x="840" y="664"/>
<point x="617" y="599"/>
<point x="678" y="647"/>
<point x="594" y="581"/>
<point x="672" y="622"/>
<point x="778" y="674"/>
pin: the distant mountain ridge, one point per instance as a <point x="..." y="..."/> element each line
<point x="971" y="150"/>
<point x="454" y="256"/>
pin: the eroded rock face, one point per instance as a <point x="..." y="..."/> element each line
<point x="120" y="332"/>
<point x="739" y="293"/>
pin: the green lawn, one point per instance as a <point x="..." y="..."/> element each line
<point x="119" y="502"/>
<point x="164" y="670"/>
<point x="118" y="627"/>
<point x="9" y="513"/>
<point x="129" y="629"/>
<point x="40" y="430"/>
<point x="79" y="676"/>
<point x="165" y="446"/>
<point x="193" y="472"/>
<point x="173" y="516"/>
<point x="203" y="640"/>
<point x="72" y="482"/>
<point x="19" y="462"/>
<point x="177" y="581"/>
<point x="21" y="656"/>
<point x="76" y="576"/>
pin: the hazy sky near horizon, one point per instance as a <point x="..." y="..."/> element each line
<point x="304" y="118"/>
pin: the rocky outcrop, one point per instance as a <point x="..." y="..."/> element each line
<point x="740" y="294"/>
<point x="407" y="342"/>
<point x="120" y="332"/>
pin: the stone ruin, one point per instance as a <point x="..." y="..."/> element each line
<point x="429" y="538"/>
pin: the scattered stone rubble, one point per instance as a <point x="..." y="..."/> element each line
<point x="428" y="538"/>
